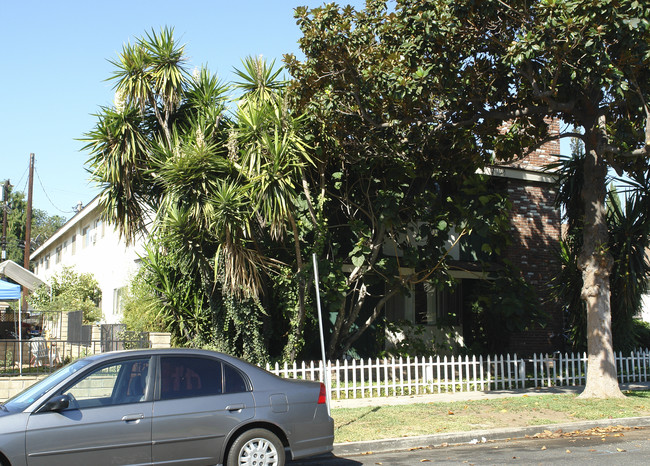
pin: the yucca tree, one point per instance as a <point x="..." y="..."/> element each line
<point x="231" y="194"/>
<point x="273" y="156"/>
<point x="157" y="154"/>
<point x="157" y="104"/>
<point x="151" y="76"/>
<point x="214" y="179"/>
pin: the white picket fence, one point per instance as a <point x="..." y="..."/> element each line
<point x="418" y="376"/>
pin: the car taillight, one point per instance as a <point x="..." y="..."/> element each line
<point x="322" y="396"/>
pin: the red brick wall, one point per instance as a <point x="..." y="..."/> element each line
<point x="535" y="227"/>
<point x="540" y="158"/>
<point x="536" y="232"/>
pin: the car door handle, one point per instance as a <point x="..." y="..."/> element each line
<point x="237" y="407"/>
<point x="133" y="417"/>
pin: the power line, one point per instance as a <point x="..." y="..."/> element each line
<point x="48" y="197"/>
<point x="21" y="180"/>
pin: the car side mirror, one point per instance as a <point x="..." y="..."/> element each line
<point x="56" y="403"/>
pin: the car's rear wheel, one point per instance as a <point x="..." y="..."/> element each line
<point x="256" y="447"/>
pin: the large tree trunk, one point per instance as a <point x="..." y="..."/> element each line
<point x="596" y="264"/>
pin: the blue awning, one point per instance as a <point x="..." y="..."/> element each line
<point x="9" y="291"/>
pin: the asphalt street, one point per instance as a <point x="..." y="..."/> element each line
<point x="630" y="447"/>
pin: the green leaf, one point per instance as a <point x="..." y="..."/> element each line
<point x="358" y="261"/>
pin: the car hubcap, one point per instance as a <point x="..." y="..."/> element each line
<point x="258" y="452"/>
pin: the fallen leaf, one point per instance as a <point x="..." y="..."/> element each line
<point x="451" y="413"/>
<point x="619" y="449"/>
<point x="544" y="447"/>
<point x="568" y="451"/>
<point x="425" y="461"/>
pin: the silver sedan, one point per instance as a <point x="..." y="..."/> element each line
<point x="176" y="406"/>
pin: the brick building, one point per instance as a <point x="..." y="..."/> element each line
<point x="535" y="233"/>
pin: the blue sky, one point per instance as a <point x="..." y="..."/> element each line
<point x="56" y="61"/>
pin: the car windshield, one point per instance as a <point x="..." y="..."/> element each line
<point x="25" y="398"/>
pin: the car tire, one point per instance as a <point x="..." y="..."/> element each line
<point x="256" y="447"/>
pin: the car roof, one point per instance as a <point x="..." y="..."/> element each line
<point x="162" y="352"/>
<point x="245" y="366"/>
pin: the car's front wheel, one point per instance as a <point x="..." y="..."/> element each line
<point x="256" y="447"/>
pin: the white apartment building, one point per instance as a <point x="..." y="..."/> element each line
<point x="89" y="245"/>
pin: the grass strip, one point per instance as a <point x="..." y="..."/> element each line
<point x="381" y="422"/>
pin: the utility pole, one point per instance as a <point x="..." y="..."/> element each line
<point x="5" y="208"/>
<point x="28" y="225"/>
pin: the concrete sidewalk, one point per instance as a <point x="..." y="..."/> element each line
<point x="476" y="436"/>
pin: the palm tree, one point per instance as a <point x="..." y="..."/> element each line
<point x="629" y="232"/>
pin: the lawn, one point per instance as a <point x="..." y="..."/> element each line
<point x="380" y="422"/>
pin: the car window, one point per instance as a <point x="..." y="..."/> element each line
<point x="34" y="392"/>
<point x="233" y="380"/>
<point x="185" y="377"/>
<point x="117" y="383"/>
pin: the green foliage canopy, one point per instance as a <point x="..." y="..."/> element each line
<point x="43" y="226"/>
<point x="399" y="100"/>
<point x="70" y="291"/>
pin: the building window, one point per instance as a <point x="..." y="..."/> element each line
<point x="86" y="235"/>
<point x="118" y="300"/>
<point x="426" y="305"/>
<point x="73" y="245"/>
<point x="438" y="306"/>
<point x="57" y="257"/>
<point x="47" y="261"/>
<point x="99" y="228"/>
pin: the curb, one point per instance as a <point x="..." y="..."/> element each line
<point x="436" y="440"/>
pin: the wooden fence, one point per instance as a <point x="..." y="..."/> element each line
<point x="417" y="376"/>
